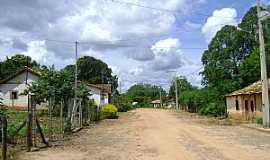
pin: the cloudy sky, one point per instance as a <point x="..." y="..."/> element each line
<point x="145" y="41"/>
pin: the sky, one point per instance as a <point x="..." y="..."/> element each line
<point x="142" y="41"/>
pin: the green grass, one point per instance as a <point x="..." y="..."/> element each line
<point x="12" y="153"/>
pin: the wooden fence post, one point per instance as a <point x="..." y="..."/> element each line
<point x="33" y="108"/>
<point x="80" y="114"/>
<point x="29" y="126"/>
<point x="50" y="120"/>
<point x="4" y="137"/>
<point x="61" y="118"/>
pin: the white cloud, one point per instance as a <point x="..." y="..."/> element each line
<point x="167" y="54"/>
<point x="36" y="50"/>
<point x="192" y="26"/>
<point x="28" y="24"/>
<point x="219" y="18"/>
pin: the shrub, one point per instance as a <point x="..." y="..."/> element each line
<point x="124" y="107"/>
<point x="109" y="111"/>
<point x="94" y="111"/>
<point x="259" y="120"/>
<point x="213" y="109"/>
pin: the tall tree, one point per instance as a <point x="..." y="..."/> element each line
<point x="225" y="53"/>
<point x="144" y="93"/>
<point x="182" y="85"/>
<point x="94" y="71"/>
<point x="232" y="55"/>
<point x="15" y="63"/>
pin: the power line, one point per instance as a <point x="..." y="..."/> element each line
<point x="161" y="9"/>
<point x="60" y="41"/>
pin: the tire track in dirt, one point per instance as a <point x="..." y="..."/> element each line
<point x="150" y="134"/>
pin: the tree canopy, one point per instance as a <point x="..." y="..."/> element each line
<point x="144" y="94"/>
<point x="231" y="60"/>
<point x="182" y="85"/>
<point x="14" y="63"/>
<point x="94" y="71"/>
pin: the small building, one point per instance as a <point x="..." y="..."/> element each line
<point x="156" y="103"/>
<point x="100" y="93"/>
<point x="246" y="103"/>
<point x="12" y="87"/>
<point x="170" y="104"/>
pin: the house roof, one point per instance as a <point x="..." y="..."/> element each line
<point x="24" y="69"/>
<point x="103" y="87"/>
<point x="155" y="102"/>
<point x="250" y="89"/>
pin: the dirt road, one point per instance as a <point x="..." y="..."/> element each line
<point x="148" y="134"/>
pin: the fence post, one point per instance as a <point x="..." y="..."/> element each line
<point x="80" y="114"/>
<point x="34" y="132"/>
<point x="50" y="120"/>
<point x="4" y="137"/>
<point x="61" y="118"/>
<point x="29" y="126"/>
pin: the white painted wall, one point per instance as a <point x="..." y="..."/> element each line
<point x="96" y="95"/>
<point x="20" y="86"/>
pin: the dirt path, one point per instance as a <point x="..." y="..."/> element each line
<point x="148" y="134"/>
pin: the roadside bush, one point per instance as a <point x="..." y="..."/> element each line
<point x="109" y="111"/>
<point x="215" y="109"/>
<point x="206" y="101"/>
<point x="124" y="107"/>
<point x="259" y="120"/>
<point x="94" y="111"/>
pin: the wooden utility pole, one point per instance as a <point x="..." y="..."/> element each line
<point x="74" y="109"/>
<point x="160" y="97"/>
<point x="265" y="96"/>
<point x="76" y="74"/>
<point x="176" y="94"/>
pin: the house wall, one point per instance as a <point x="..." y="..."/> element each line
<point x="16" y="84"/>
<point x="96" y="95"/>
<point x="244" y="112"/>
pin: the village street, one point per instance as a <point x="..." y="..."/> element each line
<point x="149" y="134"/>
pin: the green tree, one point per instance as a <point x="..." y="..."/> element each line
<point x="58" y="85"/>
<point x="94" y="71"/>
<point x="182" y="85"/>
<point x="223" y="58"/>
<point x="144" y="94"/>
<point x="231" y="56"/>
<point x="12" y="64"/>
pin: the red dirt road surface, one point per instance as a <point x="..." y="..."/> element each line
<point x="149" y="134"/>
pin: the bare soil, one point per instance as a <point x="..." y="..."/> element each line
<point x="149" y="134"/>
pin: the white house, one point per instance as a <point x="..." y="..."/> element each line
<point x="100" y="93"/>
<point x="12" y="87"/>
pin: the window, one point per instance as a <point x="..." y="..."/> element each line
<point x="237" y="105"/>
<point x="252" y="106"/>
<point x="14" y="95"/>
<point x="246" y="105"/>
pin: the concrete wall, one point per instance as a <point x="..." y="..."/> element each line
<point x="96" y="95"/>
<point x="16" y="84"/>
<point x="245" y="111"/>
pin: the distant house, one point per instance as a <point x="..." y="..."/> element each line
<point x="170" y="104"/>
<point x="156" y="103"/>
<point x="246" y="103"/>
<point x="100" y="93"/>
<point x="12" y="87"/>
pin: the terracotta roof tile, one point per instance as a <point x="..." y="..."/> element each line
<point x="250" y="89"/>
<point x="104" y="87"/>
<point x="18" y="73"/>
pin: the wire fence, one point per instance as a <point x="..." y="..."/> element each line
<point x="37" y="127"/>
